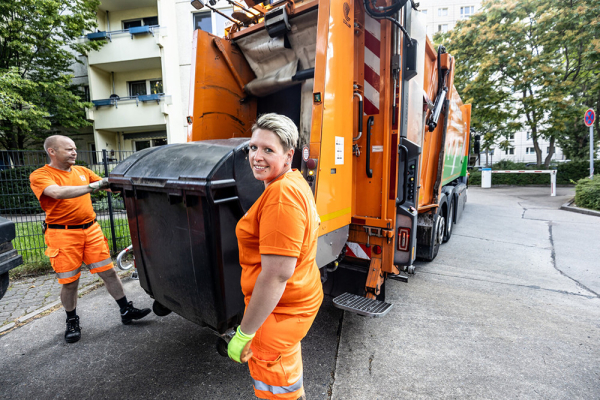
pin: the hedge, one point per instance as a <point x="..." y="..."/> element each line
<point x="587" y="193"/>
<point x="566" y="174"/>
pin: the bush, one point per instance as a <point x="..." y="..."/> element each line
<point x="587" y="193"/>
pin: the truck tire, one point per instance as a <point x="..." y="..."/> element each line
<point x="449" y="221"/>
<point x="436" y="238"/>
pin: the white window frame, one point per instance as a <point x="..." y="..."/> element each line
<point x="443" y="12"/>
<point x="443" y="28"/>
<point x="463" y="11"/>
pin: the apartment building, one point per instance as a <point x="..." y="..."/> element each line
<point x="443" y="15"/>
<point x="139" y="80"/>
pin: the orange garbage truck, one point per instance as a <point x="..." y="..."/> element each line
<point x="384" y="145"/>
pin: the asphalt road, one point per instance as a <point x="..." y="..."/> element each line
<point x="509" y="309"/>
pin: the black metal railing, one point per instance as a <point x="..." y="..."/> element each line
<point x="19" y="204"/>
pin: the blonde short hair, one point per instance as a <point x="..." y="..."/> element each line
<point x="280" y="125"/>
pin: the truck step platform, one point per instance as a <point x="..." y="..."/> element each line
<point x="362" y="306"/>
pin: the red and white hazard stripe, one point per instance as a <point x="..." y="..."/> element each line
<point x="358" y="250"/>
<point x="372" y="65"/>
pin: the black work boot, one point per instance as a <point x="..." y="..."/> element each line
<point x="130" y="313"/>
<point x="73" y="332"/>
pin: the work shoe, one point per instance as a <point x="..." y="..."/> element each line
<point x="73" y="332"/>
<point x="130" y="313"/>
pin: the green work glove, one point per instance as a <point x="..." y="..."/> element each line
<point x="99" y="185"/>
<point x="239" y="346"/>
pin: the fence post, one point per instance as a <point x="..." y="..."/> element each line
<point x="110" y="208"/>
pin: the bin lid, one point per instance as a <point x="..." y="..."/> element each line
<point x="194" y="167"/>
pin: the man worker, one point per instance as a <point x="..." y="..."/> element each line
<point x="71" y="232"/>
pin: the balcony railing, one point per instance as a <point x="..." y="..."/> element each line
<point x="114" y="100"/>
<point x="138" y="30"/>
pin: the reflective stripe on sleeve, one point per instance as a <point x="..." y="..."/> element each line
<point x="68" y="274"/>
<point x="278" y="389"/>
<point x="99" y="264"/>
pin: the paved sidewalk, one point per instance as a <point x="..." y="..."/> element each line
<point x="28" y="297"/>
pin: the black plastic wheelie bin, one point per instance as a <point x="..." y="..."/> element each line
<point x="9" y="258"/>
<point x="183" y="202"/>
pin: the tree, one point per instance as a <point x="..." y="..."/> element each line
<point x="528" y="64"/>
<point x="38" y="45"/>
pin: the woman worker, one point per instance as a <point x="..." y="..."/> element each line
<point x="281" y="282"/>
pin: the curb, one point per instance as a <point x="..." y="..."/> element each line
<point x="568" y="207"/>
<point x="55" y="305"/>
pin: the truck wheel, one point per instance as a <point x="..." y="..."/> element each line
<point x="3" y="284"/>
<point x="222" y="347"/>
<point x="437" y="236"/>
<point x="159" y="309"/>
<point x="449" y="222"/>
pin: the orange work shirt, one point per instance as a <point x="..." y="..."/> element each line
<point x="283" y="221"/>
<point x="74" y="211"/>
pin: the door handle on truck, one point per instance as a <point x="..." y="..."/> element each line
<point x="360" y="116"/>
<point x="402" y="148"/>
<point x="370" y="123"/>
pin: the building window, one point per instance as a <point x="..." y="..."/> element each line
<point x="137" y="88"/>
<point x="203" y="21"/>
<point x="150" y="86"/>
<point x="442" y="12"/>
<point x="528" y="135"/>
<point x="511" y="136"/>
<point x="156" y="86"/>
<point x="86" y="93"/>
<point x="424" y="12"/>
<point x="530" y="150"/>
<point x="466" y="12"/>
<point x="144" y="144"/>
<point x="547" y="150"/>
<point x="510" y="150"/>
<point x="443" y="28"/>
<point x="132" y="23"/>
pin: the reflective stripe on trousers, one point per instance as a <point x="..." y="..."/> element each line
<point x="277" y="389"/>
<point x="68" y="274"/>
<point x="99" y="264"/>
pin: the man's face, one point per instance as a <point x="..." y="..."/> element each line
<point x="64" y="152"/>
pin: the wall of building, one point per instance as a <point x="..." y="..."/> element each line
<point x="453" y="12"/>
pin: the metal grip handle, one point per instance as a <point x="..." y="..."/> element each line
<point x="370" y="123"/>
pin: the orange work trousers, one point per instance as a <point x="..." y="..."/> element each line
<point x="276" y="363"/>
<point x="68" y="248"/>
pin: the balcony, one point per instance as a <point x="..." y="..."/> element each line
<point x="125" y="49"/>
<point x="122" y="114"/>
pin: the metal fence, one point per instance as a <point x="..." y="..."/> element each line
<point x="19" y="204"/>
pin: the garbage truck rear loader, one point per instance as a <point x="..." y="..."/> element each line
<point x="383" y="145"/>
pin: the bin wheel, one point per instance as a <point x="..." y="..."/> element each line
<point x="159" y="309"/>
<point x="411" y="269"/>
<point x="4" y="280"/>
<point x="222" y="347"/>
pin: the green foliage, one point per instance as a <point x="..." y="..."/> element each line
<point x="38" y="46"/>
<point x="16" y="196"/>
<point x="530" y="65"/>
<point x="587" y="193"/>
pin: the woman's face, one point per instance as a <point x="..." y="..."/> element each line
<point x="267" y="156"/>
